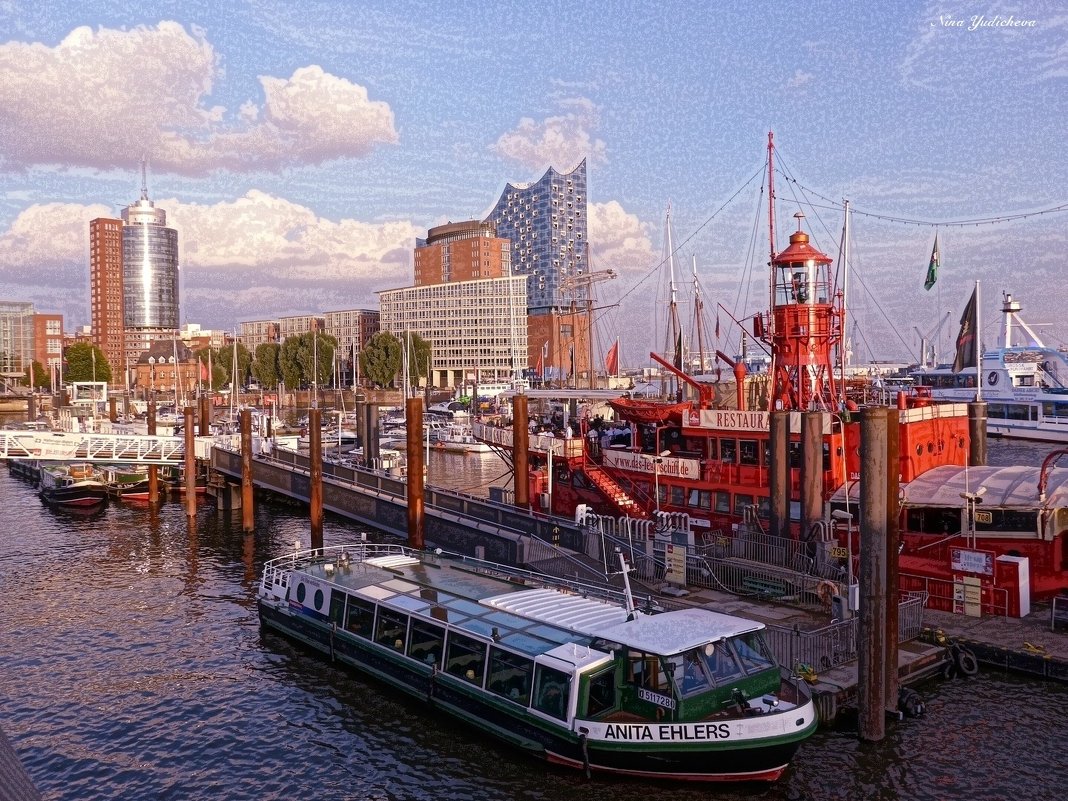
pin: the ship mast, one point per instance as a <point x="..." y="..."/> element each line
<point x="698" y="313"/>
<point x="771" y="252"/>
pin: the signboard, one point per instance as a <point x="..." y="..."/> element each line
<point x="665" y="701"/>
<point x="675" y="557"/>
<point x="732" y="420"/>
<point x="643" y="463"/>
<point x="837" y="552"/>
<point x="984" y="517"/>
<point x="965" y="561"/>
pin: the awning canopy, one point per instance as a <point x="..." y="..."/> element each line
<point x="1003" y="487"/>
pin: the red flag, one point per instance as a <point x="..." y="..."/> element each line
<point x="540" y="370"/>
<point x="203" y="372"/>
<point x="611" y="361"/>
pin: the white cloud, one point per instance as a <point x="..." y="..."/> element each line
<point x="560" y="141"/>
<point x="233" y="256"/>
<point x="799" y="79"/>
<point x="102" y="98"/>
<point x="619" y="239"/>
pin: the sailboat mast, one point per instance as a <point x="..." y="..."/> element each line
<point x="698" y="314"/>
<point x="771" y="247"/>
<point x="842" y="349"/>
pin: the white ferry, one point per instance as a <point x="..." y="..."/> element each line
<point x="576" y="678"/>
<point x="1024" y="383"/>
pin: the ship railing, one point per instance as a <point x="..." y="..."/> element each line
<point x="941" y="595"/>
<point x="811" y="558"/>
<point x="836" y="644"/>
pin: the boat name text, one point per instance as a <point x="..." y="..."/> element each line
<point x="734" y="420"/>
<point x="671" y="732"/>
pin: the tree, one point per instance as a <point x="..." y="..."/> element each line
<point x="84" y="361"/>
<point x="219" y="376"/>
<point x="297" y="353"/>
<point x="225" y="359"/>
<point x="265" y="364"/>
<point x="380" y="358"/>
<point x="418" y="357"/>
<point x="37" y="376"/>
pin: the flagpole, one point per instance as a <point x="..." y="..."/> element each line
<point x="978" y="346"/>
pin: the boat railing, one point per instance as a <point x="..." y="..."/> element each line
<point x="276" y="571"/>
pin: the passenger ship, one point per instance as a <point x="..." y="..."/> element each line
<point x="571" y="676"/>
<point x="1024" y="383"/>
<point x="690" y="454"/>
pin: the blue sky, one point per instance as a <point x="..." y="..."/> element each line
<point x="300" y="148"/>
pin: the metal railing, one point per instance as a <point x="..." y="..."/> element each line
<point x="941" y="595"/>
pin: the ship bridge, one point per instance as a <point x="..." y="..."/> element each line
<point x="88" y="447"/>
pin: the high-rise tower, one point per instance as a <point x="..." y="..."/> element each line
<point x="546" y="222"/>
<point x="105" y="288"/>
<point x="149" y="274"/>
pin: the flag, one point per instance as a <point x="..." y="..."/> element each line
<point x="571" y="354"/>
<point x="932" y="268"/>
<point x="611" y="361"/>
<point x="203" y="371"/>
<point x="678" y="351"/>
<point x="717" y="325"/>
<point x="539" y="371"/>
<point x="966" y="339"/>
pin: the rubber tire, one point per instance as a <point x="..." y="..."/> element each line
<point x="967" y="663"/>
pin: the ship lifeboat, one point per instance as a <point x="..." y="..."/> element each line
<point x="643" y="411"/>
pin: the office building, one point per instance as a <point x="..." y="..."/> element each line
<point x="16" y="338"/>
<point x="351" y="328"/>
<point x="105" y="289"/>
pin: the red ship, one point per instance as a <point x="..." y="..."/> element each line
<point x="976" y="539"/>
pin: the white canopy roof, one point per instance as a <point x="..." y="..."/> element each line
<point x="1005" y="487"/>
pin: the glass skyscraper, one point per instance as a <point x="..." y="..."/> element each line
<point x="149" y="267"/>
<point x="546" y="223"/>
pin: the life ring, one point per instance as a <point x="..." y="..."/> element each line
<point x="826" y="590"/>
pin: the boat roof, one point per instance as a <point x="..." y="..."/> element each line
<point x="532" y="620"/>
<point x="1013" y="487"/>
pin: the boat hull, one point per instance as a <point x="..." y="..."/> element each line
<point x="728" y="761"/>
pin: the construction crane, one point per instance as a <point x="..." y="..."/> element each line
<point x="573" y="284"/>
<point x="929" y="342"/>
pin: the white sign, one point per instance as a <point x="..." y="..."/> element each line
<point x="643" y="463"/>
<point x="733" y="420"/>
<point x="51" y="446"/>
<point x="972" y="561"/>
<point x="665" y="701"/>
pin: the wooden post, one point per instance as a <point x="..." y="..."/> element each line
<point x="371" y="450"/>
<point x="871" y="668"/>
<point x="248" y="519"/>
<point x="811" y="472"/>
<point x="977" y="434"/>
<point x="893" y="538"/>
<point x="520" y="451"/>
<point x="414" y="415"/>
<point x="190" y="463"/>
<point x="112" y="413"/>
<point x="315" y="458"/>
<point x="779" y="478"/>
<point x="205" y="416"/>
<point x="153" y="470"/>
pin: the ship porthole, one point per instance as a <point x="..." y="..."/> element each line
<point x="302" y="592"/>
<point x="318" y="600"/>
<point x="919" y="450"/>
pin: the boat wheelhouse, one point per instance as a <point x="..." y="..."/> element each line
<point x="579" y="680"/>
<point x="71" y="485"/>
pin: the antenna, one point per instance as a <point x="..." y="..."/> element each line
<point x="144" y="177"/>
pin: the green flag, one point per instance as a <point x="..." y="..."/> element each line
<point x="932" y="268"/>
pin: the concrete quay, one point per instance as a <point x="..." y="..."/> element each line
<point x="1021" y="645"/>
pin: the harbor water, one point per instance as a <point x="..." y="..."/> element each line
<point x="132" y="666"/>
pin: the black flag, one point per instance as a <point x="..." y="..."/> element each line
<point x="967" y="343"/>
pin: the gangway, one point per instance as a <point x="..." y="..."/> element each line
<point x="89" y="447"/>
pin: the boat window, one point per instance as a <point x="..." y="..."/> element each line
<point x="425" y="642"/>
<point x="728" y="449"/>
<point x="361" y="617"/>
<point x="741" y="502"/>
<point x="713" y="449"/>
<point x="678" y="495"/>
<point x="510" y="676"/>
<point x="602" y="694"/>
<point x="691" y="674"/>
<point x="764" y="507"/>
<point x="391" y="629"/>
<point x="552" y="691"/>
<point x="720" y="663"/>
<point x="337" y="608"/>
<point x="466" y="658"/>
<point x="748" y="453"/>
<point x="793" y="449"/>
<point x="753" y="652"/>
<point x="702" y="499"/>
<point x="723" y="502"/>
<point x="646" y="672"/>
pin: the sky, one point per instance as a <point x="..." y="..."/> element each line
<point x="300" y="148"/>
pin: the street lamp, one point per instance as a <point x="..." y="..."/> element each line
<point x="971" y="499"/>
<point x="657" y="461"/>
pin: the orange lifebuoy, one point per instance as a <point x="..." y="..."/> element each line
<point x="826" y="590"/>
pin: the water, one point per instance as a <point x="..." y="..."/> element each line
<point x="132" y="667"/>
